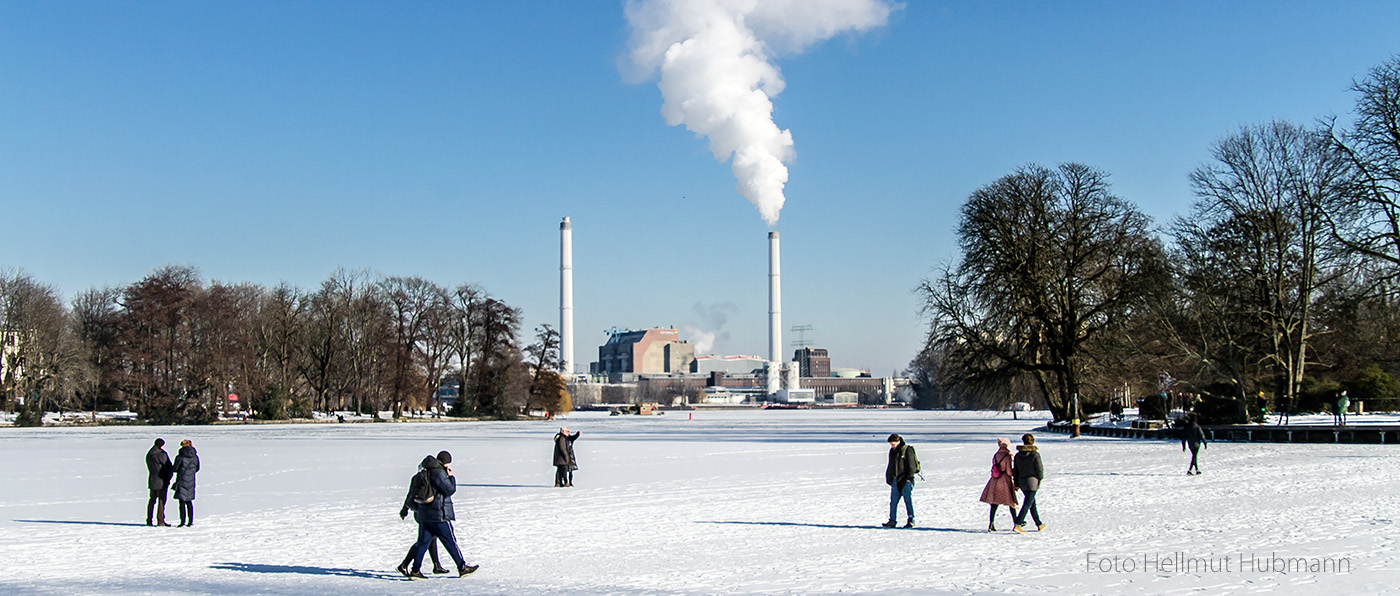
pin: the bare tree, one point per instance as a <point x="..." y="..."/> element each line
<point x="1372" y="147"/>
<point x="1052" y="261"/>
<point x="1262" y="212"/>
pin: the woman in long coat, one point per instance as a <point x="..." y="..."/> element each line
<point x="564" y="461"/>
<point x="186" y="466"/>
<point x="1000" y="489"/>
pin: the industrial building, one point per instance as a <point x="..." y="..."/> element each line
<point x="655" y="350"/>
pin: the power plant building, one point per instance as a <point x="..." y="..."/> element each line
<point x="655" y="350"/>
<point x="813" y="362"/>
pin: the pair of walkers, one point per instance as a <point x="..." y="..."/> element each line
<point x="1022" y="471"/>
<point x="430" y="498"/>
<point x="159" y="473"/>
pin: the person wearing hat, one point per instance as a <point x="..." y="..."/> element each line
<point x="186" y="466"/>
<point x="1001" y="487"/>
<point x="158" y="471"/>
<point x="435" y="517"/>
<point x="899" y="474"/>
<point x="564" y="461"/>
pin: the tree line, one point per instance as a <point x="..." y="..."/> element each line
<point x="1278" y="289"/>
<point x="173" y="348"/>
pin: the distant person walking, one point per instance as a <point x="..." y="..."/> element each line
<point x="1029" y="473"/>
<point x="564" y="461"/>
<point x="903" y="465"/>
<point x="435" y="516"/>
<point x="1343" y="403"/>
<point x="417" y="490"/>
<point x="158" y="470"/>
<point x="186" y="466"/>
<point x="1001" y="488"/>
<point x="1194" y="438"/>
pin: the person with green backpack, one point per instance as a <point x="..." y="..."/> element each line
<point x="899" y="474"/>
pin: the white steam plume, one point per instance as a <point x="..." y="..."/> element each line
<point x="718" y="79"/>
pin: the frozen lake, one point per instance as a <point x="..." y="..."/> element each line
<point x="730" y="502"/>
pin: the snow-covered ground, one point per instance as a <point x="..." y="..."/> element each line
<point x="730" y="502"/>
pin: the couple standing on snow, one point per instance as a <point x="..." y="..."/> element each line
<point x="159" y="470"/>
<point x="1026" y="470"/>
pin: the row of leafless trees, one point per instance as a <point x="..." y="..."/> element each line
<point x="1282" y="284"/>
<point x="174" y="348"/>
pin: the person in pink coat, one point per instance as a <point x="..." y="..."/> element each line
<point x="1001" y="488"/>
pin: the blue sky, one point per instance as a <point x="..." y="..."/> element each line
<point x="276" y="141"/>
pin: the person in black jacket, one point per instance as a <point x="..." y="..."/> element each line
<point x="564" y="461"/>
<point x="158" y="470"/>
<point x="899" y="474"/>
<point x="435" y="517"/>
<point x="414" y="486"/>
<point x="186" y="466"/>
<point x="1028" y="473"/>
<point x="1195" y="438"/>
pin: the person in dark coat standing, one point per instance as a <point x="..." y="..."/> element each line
<point x="1028" y="474"/>
<point x="564" y="461"/>
<point x="1194" y="438"/>
<point x="186" y="466"/>
<point x="435" y="517"/>
<point x="899" y="474"/>
<point x="1001" y="488"/>
<point x="158" y="470"/>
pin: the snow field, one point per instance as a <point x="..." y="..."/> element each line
<point x="772" y="502"/>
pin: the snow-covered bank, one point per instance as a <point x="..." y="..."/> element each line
<point x="734" y="502"/>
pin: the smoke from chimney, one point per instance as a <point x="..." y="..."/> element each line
<point x="718" y="79"/>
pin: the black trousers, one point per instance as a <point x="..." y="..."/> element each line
<point x="186" y="513"/>
<point x="563" y="475"/>
<point x="157" y="497"/>
<point x="1027" y="504"/>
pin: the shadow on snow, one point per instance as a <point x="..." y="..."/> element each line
<point x="304" y="570"/>
<point x="839" y="527"/>
<point x="78" y="522"/>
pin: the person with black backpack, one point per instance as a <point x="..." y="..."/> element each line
<point x="432" y="509"/>
<point x="419" y="490"/>
<point x="899" y="474"/>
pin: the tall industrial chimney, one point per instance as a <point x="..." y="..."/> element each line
<point x="775" y="301"/>
<point x="775" y="315"/>
<point x="566" y="297"/>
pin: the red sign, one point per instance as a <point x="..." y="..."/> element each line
<point x="233" y="397"/>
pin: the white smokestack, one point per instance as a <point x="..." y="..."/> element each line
<point x="775" y="301"/>
<point x="718" y="79"/>
<point x="566" y="297"/>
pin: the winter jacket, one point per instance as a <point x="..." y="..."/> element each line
<point x="564" y="450"/>
<point x="903" y="465"/>
<point x="440" y="510"/>
<point x="1029" y="472"/>
<point x="1000" y="490"/>
<point x="186" y="465"/>
<point x="1193" y="436"/>
<point x="158" y="469"/>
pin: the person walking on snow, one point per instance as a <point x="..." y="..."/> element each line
<point x="1028" y="474"/>
<point x="415" y="486"/>
<point x="1000" y="489"/>
<point x="1343" y="403"/>
<point x="158" y="471"/>
<point x="899" y="474"/>
<point x="564" y="461"/>
<point x="186" y="466"/>
<point x="1194" y="438"/>
<point x="435" y="517"/>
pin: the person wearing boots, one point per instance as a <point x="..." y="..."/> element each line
<point x="1029" y="473"/>
<point x="158" y="470"/>
<point x="186" y="466"/>
<point x="435" y="517"/>
<point x="564" y="461"/>
<point x="414" y="486"/>
<point x="899" y="474"/>
<point x="1001" y="488"/>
